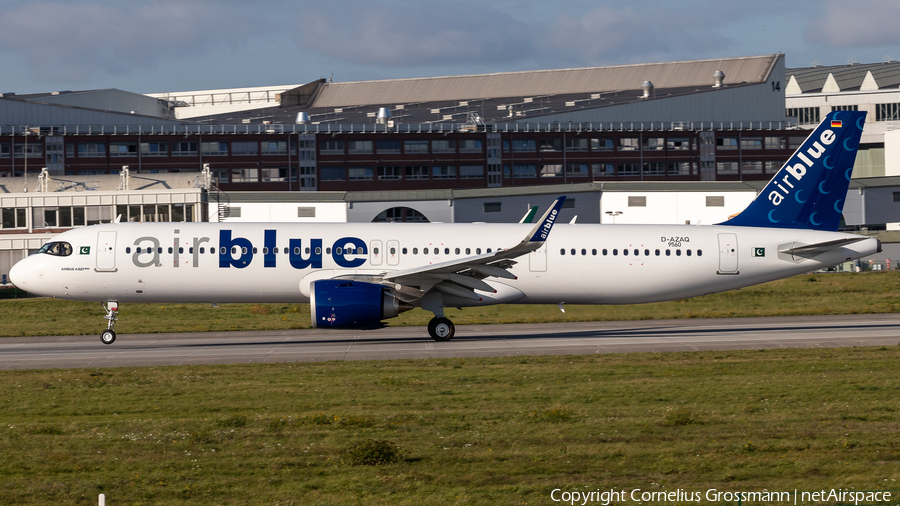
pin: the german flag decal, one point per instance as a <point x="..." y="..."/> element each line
<point x="836" y="123"/>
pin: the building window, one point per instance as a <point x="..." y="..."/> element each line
<point x="470" y="146"/>
<point x="727" y="168"/>
<point x="680" y="168"/>
<point x="715" y="201"/>
<point x="244" y="175"/>
<point x="577" y="170"/>
<point x="388" y="147"/>
<point x="655" y="169"/>
<point x="778" y="142"/>
<point x="214" y="148"/>
<point x="525" y="170"/>
<point x="751" y="143"/>
<point x="275" y="147"/>
<point x="896" y="199"/>
<point x="443" y="146"/>
<point x="415" y="146"/>
<point x="654" y="143"/>
<point x="123" y="149"/>
<point x="471" y="172"/>
<point x="574" y="144"/>
<point x="678" y="144"/>
<point x="244" y="148"/>
<point x="844" y="108"/>
<point x="334" y="173"/>
<point x="551" y="145"/>
<point x="389" y="173"/>
<point x="273" y="175"/>
<point x="629" y="143"/>
<point x="361" y="173"/>
<point x="551" y="170"/>
<point x="727" y="143"/>
<point x="306" y="212"/>
<point x="630" y="169"/>
<point x="331" y="147"/>
<point x="795" y="141"/>
<point x="13" y="217"/>
<point x="91" y="149"/>
<point x="443" y="172"/>
<point x="772" y="166"/>
<point x="804" y="115"/>
<point x="184" y="148"/>
<point x="752" y="167"/>
<point x="154" y="149"/>
<point x="416" y="172"/>
<point x="493" y="207"/>
<point x="602" y="144"/>
<point x="523" y="145"/>
<point x="603" y="170"/>
<point x="637" y="201"/>
<point x="359" y="147"/>
<point x="887" y="112"/>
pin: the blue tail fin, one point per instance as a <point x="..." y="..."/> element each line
<point x="809" y="191"/>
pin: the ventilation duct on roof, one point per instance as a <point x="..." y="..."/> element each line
<point x="383" y="116"/>
<point x="719" y="78"/>
<point x="647" y="87"/>
<point x="302" y="118"/>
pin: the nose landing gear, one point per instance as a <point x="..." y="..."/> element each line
<point x="108" y="336"/>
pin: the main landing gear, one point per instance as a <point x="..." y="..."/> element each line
<point x="108" y="336"/>
<point x="441" y="329"/>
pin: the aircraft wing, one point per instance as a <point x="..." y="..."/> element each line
<point x="461" y="277"/>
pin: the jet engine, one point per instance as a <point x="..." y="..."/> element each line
<point x="340" y="303"/>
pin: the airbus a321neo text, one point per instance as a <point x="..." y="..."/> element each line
<point x="357" y="275"/>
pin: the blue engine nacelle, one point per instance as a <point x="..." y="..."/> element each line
<point x="340" y="303"/>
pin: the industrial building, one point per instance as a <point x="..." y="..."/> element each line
<point x="675" y="142"/>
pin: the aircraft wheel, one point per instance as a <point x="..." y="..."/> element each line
<point x="108" y="336"/>
<point x="441" y="329"/>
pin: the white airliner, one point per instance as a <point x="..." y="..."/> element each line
<point x="356" y="275"/>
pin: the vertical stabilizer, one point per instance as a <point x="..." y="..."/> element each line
<point x="809" y="191"/>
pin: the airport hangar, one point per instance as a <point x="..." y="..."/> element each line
<point x="676" y="142"/>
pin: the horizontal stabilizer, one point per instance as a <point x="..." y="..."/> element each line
<point x="821" y="247"/>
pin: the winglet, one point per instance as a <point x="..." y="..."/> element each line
<point x="542" y="230"/>
<point x="529" y="216"/>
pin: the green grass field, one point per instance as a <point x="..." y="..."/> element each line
<point x="874" y="292"/>
<point x="479" y="431"/>
<point x="483" y="431"/>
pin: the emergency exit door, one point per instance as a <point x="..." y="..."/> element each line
<point x="728" y="254"/>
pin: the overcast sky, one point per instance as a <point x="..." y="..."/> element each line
<point x="168" y="45"/>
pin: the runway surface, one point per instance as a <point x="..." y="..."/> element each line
<point x="470" y="341"/>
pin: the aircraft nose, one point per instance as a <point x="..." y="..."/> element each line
<point x="16" y="273"/>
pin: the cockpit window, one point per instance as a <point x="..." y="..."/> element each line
<point x="57" y="248"/>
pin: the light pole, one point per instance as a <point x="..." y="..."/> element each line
<point x="614" y="214"/>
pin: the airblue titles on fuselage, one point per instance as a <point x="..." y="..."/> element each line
<point x="238" y="252"/>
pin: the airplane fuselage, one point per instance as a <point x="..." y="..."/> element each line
<point x="267" y="262"/>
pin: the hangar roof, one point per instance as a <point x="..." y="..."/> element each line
<point x="852" y="77"/>
<point x="491" y="96"/>
<point x="545" y="82"/>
